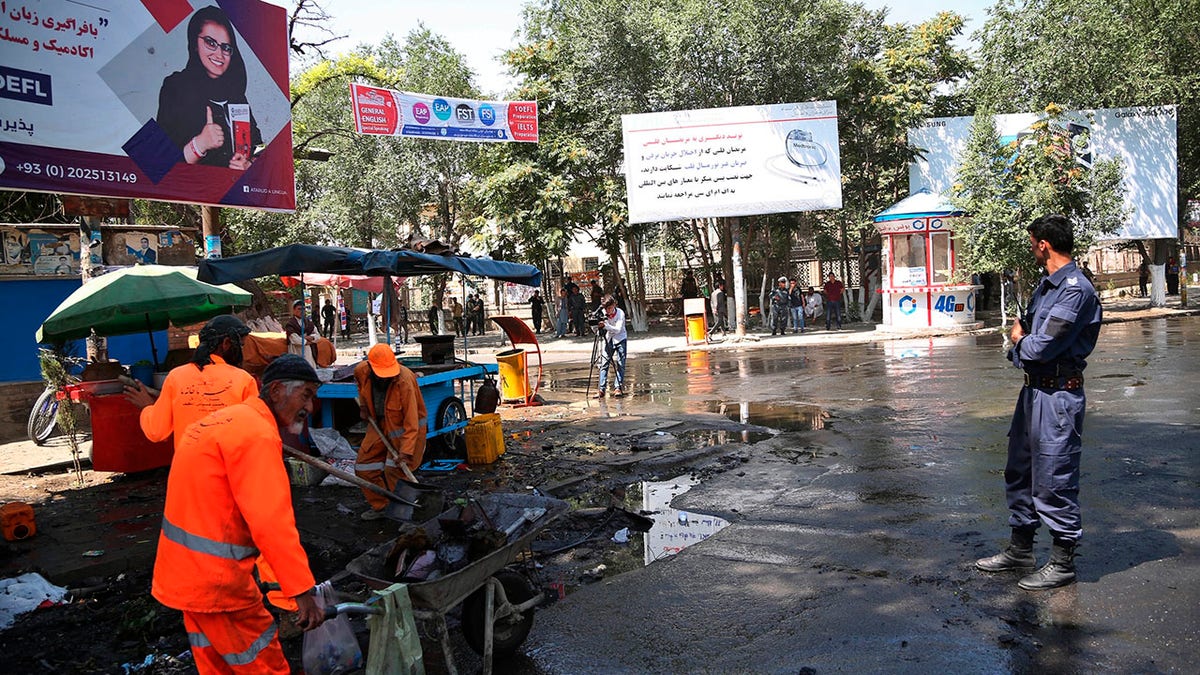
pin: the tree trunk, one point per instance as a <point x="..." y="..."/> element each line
<point x="635" y="301"/>
<point x="739" y="279"/>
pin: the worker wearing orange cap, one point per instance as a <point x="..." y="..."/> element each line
<point x="389" y="394"/>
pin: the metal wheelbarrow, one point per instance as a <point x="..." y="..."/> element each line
<point x="498" y="601"/>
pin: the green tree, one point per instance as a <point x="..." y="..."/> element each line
<point x="1085" y="54"/>
<point x="1004" y="187"/>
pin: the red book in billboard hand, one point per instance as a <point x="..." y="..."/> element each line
<point x="239" y="120"/>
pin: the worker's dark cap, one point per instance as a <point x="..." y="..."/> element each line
<point x="226" y="325"/>
<point x="289" y="367"/>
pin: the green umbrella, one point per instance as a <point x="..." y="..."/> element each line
<point x="142" y="298"/>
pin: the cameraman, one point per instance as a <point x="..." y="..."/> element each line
<point x="611" y="319"/>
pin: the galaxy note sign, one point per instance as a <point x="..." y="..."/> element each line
<point x="375" y="110"/>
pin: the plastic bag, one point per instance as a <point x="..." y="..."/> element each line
<point x="331" y="648"/>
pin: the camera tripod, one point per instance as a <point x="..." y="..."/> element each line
<point x="596" y="355"/>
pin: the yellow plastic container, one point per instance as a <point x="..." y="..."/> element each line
<point x="514" y="376"/>
<point x="485" y="439"/>
<point x="697" y="329"/>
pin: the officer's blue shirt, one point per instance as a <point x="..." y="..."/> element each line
<point x="1063" y="322"/>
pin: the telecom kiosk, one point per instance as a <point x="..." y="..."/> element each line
<point x="919" y="288"/>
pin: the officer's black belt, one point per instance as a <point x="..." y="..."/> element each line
<point x="1068" y="382"/>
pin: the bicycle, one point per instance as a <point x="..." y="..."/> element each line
<point x="44" y="415"/>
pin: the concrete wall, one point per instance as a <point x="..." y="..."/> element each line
<point x="26" y="303"/>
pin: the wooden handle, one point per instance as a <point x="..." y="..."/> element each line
<point x="388" y="444"/>
<point x="349" y="477"/>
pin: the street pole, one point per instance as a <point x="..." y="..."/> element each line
<point x="210" y="223"/>
<point x="97" y="347"/>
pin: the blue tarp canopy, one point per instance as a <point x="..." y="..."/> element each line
<point x="296" y="259"/>
<point x="920" y="204"/>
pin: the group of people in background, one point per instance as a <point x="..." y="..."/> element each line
<point x="573" y="307"/>
<point x="796" y="308"/>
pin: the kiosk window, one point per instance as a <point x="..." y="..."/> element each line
<point x="939" y="245"/>
<point x="908" y="252"/>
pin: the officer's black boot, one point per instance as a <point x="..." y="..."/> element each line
<point x="1018" y="556"/>
<point x="1059" y="571"/>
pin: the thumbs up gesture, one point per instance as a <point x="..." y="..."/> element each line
<point x="210" y="137"/>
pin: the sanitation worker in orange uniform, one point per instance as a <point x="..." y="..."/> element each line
<point x="209" y="383"/>
<point x="388" y="392"/>
<point x="228" y="499"/>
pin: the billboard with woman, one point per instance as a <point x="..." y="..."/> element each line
<point x="177" y="101"/>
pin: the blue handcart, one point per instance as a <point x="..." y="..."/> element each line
<point x="448" y="390"/>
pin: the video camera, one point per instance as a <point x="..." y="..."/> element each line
<point x="597" y="316"/>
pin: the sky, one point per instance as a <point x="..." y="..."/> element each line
<point x="483" y="29"/>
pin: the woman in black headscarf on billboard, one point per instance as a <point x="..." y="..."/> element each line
<point x="203" y="108"/>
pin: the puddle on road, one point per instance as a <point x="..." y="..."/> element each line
<point x="774" y="415"/>
<point x="694" y="439"/>
<point x="673" y="530"/>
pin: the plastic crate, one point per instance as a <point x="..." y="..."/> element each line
<point x="485" y="439"/>
<point x="303" y="473"/>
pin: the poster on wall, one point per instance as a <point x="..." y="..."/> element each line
<point x="53" y="253"/>
<point x="732" y="161"/>
<point x="1143" y="138"/>
<point x="183" y="101"/>
<point x="386" y="112"/>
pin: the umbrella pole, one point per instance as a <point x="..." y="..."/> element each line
<point x="387" y="309"/>
<point x="153" y="349"/>
<point x="463" y="280"/>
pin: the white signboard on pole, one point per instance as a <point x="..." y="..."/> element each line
<point x="732" y="161"/>
<point x="1144" y="139"/>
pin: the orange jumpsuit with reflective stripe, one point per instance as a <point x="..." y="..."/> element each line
<point x="405" y="422"/>
<point x="228" y="498"/>
<point x="189" y="394"/>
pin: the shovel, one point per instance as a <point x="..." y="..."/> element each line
<point x="392" y="450"/>
<point x="398" y="508"/>
<point x="527" y="516"/>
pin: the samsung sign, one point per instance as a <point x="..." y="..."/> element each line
<point x="1143" y="138"/>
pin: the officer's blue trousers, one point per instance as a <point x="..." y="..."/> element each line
<point x="1042" y="474"/>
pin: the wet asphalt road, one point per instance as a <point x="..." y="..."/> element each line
<point x="855" y="528"/>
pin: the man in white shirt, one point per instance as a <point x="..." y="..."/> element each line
<point x="615" y="339"/>
<point x="814" y="305"/>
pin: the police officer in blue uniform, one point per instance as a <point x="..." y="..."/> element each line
<point x="1051" y="344"/>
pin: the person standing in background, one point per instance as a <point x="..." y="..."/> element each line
<point x="796" y="305"/>
<point x="535" y="308"/>
<point x="834" y="290"/>
<point x="564" y="313"/>
<point x="301" y="334"/>
<point x="779" y="307"/>
<point x="328" y="313"/>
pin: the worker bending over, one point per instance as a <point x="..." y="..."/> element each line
<point x="228" y="499"/>
<point x="210" y="382"/>
<point x="389" y="394"/>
